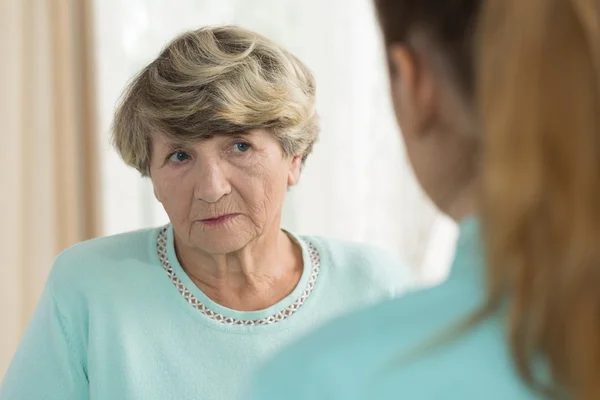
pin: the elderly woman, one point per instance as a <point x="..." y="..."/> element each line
<point x="221" y="122"/>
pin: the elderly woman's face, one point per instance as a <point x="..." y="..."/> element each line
<point x="224" y="192"/>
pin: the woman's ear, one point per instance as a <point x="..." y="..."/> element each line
<point x="413" y="87"/>
<point x="402" y="65"/>
<point x="295" y="167"/>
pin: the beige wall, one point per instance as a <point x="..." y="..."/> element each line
<point x="47" y="159"/>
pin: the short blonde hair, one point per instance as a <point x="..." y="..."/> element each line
<point x="217" y="81"/>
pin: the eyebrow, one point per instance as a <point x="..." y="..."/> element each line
<point x="174" y="144"/>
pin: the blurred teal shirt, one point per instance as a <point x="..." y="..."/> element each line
<point x="359" y="356"/>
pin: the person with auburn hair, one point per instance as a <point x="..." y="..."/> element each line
<point x="221" y="122"/>
<point x="499" y="106"/>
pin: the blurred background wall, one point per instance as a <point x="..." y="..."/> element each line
<point x="64" y="65"/>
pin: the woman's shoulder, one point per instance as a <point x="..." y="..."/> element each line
<point x="86" y="260"/>
<point x="352" y="253"/>
<point x="113" y="247"/>
<point x="363" y="262"/>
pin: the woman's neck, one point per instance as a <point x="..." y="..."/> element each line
<point x="255" y="277"/>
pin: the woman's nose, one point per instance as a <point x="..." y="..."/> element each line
<point x="212" y="182"/>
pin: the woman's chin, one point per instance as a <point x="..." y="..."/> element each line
<point x="220" y="241"/>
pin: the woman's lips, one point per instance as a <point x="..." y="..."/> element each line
<point x="219" y="220"/>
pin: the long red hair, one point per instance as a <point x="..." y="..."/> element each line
<point x="533" y="69"/>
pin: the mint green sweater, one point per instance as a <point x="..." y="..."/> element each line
<point x="394" y="350"/>
<point x="116" y="322"/>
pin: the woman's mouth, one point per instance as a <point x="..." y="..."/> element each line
<point x="218" y="220"/>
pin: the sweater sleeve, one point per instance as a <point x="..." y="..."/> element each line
<point x="47" y="364"/>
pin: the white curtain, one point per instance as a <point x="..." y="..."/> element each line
<point x="356" y="185"/>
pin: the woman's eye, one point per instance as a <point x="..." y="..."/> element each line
<point x="179" y="156"/>
<point x="241" y="147"/>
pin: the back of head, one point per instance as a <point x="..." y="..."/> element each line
<point x="533" y="70"/>
<point x="213" y="81"/>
